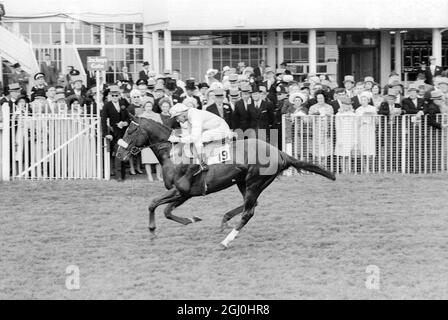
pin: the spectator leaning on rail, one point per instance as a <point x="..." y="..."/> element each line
<point x="413" y="104"/>
<point x="434" y="108"/>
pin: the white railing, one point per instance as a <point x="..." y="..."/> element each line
<point x="44" y="145"/>
<point x="368" y="144"/>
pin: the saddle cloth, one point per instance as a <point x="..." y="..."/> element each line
<point x="215" y="151"/>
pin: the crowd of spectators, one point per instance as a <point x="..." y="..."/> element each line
<point x="245" y="97"/>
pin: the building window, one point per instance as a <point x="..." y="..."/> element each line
<point x="231" y="56"/>
<point x="235" y="38"/>
<point x="132" y="58"/>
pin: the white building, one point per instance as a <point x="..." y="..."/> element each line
<point x="359" y="37"/>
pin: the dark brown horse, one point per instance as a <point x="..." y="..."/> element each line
<point x="254" y="166"/>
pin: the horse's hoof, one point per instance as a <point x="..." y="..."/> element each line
<point x="223" y="246"/>
<point x="196" y="219"/>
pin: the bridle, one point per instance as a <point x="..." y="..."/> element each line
<point x="134" y="150"/>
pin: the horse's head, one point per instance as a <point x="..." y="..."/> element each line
<point x="142" y="133"/>
<point x="134" y="138"/>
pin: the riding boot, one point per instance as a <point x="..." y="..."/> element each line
<point x="202" y="164"/>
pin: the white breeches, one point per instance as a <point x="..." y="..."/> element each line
<point x="222" y="132"/>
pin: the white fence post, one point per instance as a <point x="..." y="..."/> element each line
<point x="5" y="147"/>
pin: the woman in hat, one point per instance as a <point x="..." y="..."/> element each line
<point x="296" y="106"/>
<point x="345" y="127"/>
<point x="165" y="106"/>
<point x="321" y="143"/>
<point x="148" y="156"/>
<point x="210" y="76"/>
<point x="366" y="130"/>
<point x="74" y="106"/>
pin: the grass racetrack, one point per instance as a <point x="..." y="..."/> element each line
<point x="309" y="238"/>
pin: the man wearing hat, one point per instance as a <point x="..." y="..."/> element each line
<point x="118" y="117"/>
<point x="282" y="98"/>
<point x="389" y="107"/>
<point x="190" y="89"/>
<point x="204" y="127"/>
<point x="432" y="71"/>
<point x="261" y="114"/>
<point x="234" y="97"/>
<point x="220" y="108"/>
<point x="413" y="104"/>
<point x="144" y="74"/>
<point x="203" y="87"/>
<point x="172" y="91"/>
<point x="11" y="96"/>
<point x="19" y="76"/>
<point x="40" y="86"/>
<point x="349" y="82"/>
<point x="242" y="116"/>
<point x="78" y="90"/>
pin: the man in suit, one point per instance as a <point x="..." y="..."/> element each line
<point x="432" y="71"/>
<point x="119" y="120"/>
<point x="78" y="90"/>
<point x="413" y="104"/>
<point x="270" y="84"/>
<point x="11" y="96"/>
<point x="242" y="116"/>
<point x="220" y="108"/>
<point x="144" y="74"/>
<point x="259" y="71"/>
<point x="339" y="96"/>
<point x="50" y="69"/>
<point x="124" y="75"/>
<point x="190" y="89"/>
<point x="262" y="114"/>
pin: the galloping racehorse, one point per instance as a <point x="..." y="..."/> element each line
<point x="248" y="171"/>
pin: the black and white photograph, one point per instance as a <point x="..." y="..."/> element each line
<point x="239" y="151"/>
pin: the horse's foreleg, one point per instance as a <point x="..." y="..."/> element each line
<point x="169" y="209"/>
<point x="165" y="198"/>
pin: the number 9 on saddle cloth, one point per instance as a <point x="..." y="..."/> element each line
<point x="215" y="151"/>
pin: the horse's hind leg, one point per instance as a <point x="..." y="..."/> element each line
<point x="229" y="215"/>
<point x="170" y="207"/>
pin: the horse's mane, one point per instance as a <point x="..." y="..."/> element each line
<point x="160" y="128"/>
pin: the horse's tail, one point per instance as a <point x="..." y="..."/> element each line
<point x="307" y="166"/>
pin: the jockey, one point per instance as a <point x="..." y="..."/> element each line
<point x="204" y="127"/>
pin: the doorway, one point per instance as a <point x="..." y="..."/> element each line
<point x="359" y="62"/>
